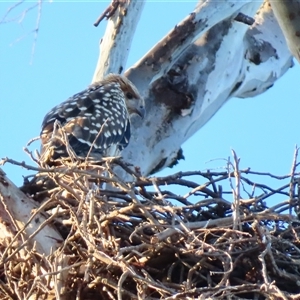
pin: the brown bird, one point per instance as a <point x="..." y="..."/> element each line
<point x="94" y="122"/>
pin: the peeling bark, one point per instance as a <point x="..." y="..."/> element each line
<point x="192" y="72"/>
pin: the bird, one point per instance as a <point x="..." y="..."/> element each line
<point x="94" y="123"/>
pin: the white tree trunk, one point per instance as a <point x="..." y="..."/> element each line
<point x="120" y="31"/>
<point x="288" y="16"/>
<point x="19" y="215"/>
<point x="188" y="75"/>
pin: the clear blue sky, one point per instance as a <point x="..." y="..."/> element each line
<point x="262" y="130"/>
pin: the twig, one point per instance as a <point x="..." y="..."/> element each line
<point x="138" y="244"/>
<point x="244" y="19"/>
<point x="109" y="11"/>
<point x="236" y="193"/>
<point x="292" y="181"/>
<point x="120" y="283"/>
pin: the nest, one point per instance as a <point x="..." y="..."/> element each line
<point x="140" y="240"/>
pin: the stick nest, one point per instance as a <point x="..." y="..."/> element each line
<point x="140" y="240"/>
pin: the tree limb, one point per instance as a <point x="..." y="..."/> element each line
<point x="115" y="45"/>
<point x="229" y="60"/>
<point x="15" y="211"/>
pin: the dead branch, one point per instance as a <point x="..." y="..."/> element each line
<point x="142" y="241"/>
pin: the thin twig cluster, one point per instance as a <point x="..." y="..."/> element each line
<point x="140" y="240"/>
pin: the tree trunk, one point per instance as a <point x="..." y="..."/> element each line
<point x="186" y="77"/>
<point x="22" y="223"/>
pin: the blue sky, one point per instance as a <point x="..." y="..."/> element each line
<point x="262" y="130"/>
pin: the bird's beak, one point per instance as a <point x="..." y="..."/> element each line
<point x="141" y="111"/>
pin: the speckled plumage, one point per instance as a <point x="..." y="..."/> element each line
<point x="95" y="121"/>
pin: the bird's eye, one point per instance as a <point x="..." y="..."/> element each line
<point x="129" y="95"/>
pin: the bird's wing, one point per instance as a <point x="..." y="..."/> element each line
<point x="95" y="117"/>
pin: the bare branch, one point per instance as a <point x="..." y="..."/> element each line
<point x="198" y="78"/>
<point x="109" y="11"/>
<point x="115" y="45"/>
<point x="244" y="19"/>
<point x="19" y="19"/>
<point x="160" y="248"/>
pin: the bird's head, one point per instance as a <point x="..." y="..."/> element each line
<point x="134" y="102"/>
